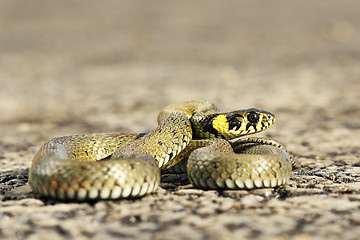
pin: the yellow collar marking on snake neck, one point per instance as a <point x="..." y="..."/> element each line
<point x="221" y="124"/>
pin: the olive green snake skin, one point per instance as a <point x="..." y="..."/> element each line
<point x="191" y="136"/>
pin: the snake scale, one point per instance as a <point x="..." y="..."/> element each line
<point x="191" y="136"/>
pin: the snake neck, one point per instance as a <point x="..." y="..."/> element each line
<point x="202" y="126"/>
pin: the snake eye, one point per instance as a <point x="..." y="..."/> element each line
<point x="253" y="117"/>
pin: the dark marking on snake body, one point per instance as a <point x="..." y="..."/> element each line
<point x="132" y="166"/>
<point x="248" y="125"/>
<point x="234" y="122"/>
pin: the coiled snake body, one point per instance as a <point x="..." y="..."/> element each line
<point x="191" y="135"/>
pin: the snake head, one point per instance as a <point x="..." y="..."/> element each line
<point x="237" y="123"/>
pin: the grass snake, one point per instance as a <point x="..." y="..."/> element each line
<point x="191" y="137"/>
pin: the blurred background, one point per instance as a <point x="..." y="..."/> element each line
<point x="112" y="65"/>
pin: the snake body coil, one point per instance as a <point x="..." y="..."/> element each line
<point x="191" y="135"/>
